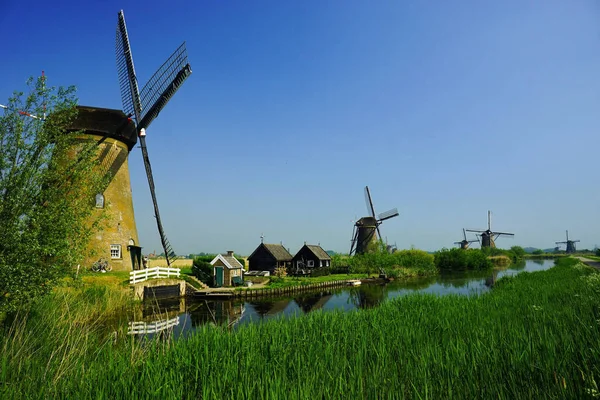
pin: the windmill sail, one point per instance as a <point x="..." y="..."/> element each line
<point x="127" y="79"/>
<point x="155" y="95"/>
<point x="371" y="209"/>
<point x="163" y="85"/>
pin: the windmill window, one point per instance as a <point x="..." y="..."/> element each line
<point x="311" y="263"/>
<point x="99" y="200"/>
<point x="115" y="251"/>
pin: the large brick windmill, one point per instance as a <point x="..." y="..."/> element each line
<point x="488" y="237"/>
<point x="570" y="244"/>
<point x="116" y="133"/>
<point x="145" y="106"/>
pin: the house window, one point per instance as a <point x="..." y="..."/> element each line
<point x="320" y="263"/>
<point x="327" y="263"/>
<point x="311" y="263"/>
<point x="99" y="200"/>
<point x="115" y="251"/>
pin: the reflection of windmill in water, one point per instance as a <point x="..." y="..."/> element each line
<point x="464" y="244"/>
<point x="366" y="230"/>
<point x="570" y="244"/>
<point x="488" y="237"/>
<point x="145" y="106"/>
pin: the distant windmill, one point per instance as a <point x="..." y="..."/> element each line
<point x="145" y="106"/>
<point x="464" y="244"/>
<point x="488" y="237"/>
<point x="570" y="244"/>
<point x="366" y="229"/>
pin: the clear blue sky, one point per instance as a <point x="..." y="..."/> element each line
<point x="445" y="109"/>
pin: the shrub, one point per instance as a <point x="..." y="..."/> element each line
<point x="417" y="260"/>
<point x="280" y="272"/>
<point x="202" y="270"/>
<point x="460" y="260"/>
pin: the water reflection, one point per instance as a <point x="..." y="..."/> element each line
<point x="145" y="328"/>
<point x="312" y="302"/>
<point x="182" y="316"/>
<point x="367" y="296"/>
<point x="216" y="312"/>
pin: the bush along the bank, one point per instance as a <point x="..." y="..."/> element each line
<point x="515" y="253"/>
<point x="399" y="263"/>
<point x="202" y="269"/>
<point x="461" y="260"/>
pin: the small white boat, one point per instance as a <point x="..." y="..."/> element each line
<point x="354" y="282"/>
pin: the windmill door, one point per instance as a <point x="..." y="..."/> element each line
<point x="218" y="276"/>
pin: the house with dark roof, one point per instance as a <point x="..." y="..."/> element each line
<point x="310" y="256"/>
<point x="267" y="257"/>
<point x="227" y="270"/>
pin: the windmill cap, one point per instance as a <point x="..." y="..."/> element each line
<point x="105" y="122"/>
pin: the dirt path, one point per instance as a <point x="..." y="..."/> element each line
<point x="591" y="263"/>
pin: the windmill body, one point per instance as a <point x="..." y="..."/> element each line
<point x="488" y="236"/>
<point x="366" y="234"/>
<point x="570" y="244"/>
<point x="366" y="229"/>
<point x="116" y="239"/>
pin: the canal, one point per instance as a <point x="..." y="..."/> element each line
<point x="182" y="316"/>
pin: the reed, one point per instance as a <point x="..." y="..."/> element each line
<point x="534" y="336"/>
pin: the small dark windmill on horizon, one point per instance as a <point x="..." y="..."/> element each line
<point x="145" y="106"/>
<point x="464" y="244"/>
<point x="366" y="229"/>
<point x="488" y="237"/>
<point x="570" y="244"/>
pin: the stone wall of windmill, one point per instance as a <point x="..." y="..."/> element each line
<point x="115" y="235"/>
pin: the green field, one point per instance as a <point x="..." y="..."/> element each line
<point x="535" y="335"/>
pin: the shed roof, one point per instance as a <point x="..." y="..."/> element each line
<point x="279" y="252"/>
<point x="229" y="261"/>
<point x="318" y="251"/>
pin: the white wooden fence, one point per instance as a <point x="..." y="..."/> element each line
<point x="156" y="272"/>
<point x="137" y="328"/>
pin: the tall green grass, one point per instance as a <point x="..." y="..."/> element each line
<point x="534" y="336"/>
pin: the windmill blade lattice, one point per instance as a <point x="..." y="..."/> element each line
<point x="163" y="85"/>
<point x="127" y="78"/>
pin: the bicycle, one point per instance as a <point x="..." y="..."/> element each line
<point x="101" y="266"/>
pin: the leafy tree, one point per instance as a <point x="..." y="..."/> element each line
<point x="47" y="191"/>
<point x="538" y="252"/>
<point x="518" y="251"/>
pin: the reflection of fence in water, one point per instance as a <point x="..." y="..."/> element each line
<point x="140" y="327"/>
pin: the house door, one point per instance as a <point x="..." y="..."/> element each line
<point x="218" y="276"/>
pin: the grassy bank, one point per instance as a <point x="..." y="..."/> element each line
<point x="534" y="336"/>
